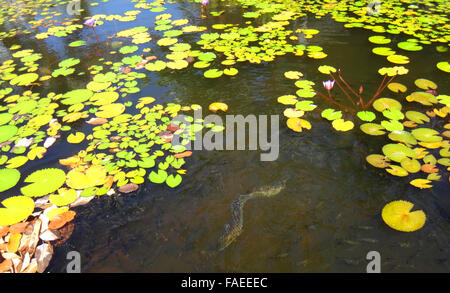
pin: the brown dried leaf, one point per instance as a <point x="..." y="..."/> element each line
<point x="97" y="121"/>
<point x="6" y="266"/>
<point x="44" y="253"/>
<point x="4" y="231"/>
<point x="429" y="168"/>
<point x="60" y="220"/>
<point x="183" y="154"/>
<point x="127" y="188"/>
<point x="18" y="228"/>
<point x="31" y="268"/>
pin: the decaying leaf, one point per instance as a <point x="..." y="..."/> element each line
<point x="44" y="253"/>
<point x="61" y="219"/>
<point x="127" y="188"/>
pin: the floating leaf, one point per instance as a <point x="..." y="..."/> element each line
<point x="75" y="137"/>
<point x="372" y="129"/>
<point x="410" y="165"/>
<point x="402" y="136"/>
<point x="386" y="103"/>
<point x="64" y="197"/>
<point x="8" y="178"/>
<point x="380" y="40"/>
<point x="17" y="209"/>
<point x="298" y="124"/>
<point x="397" y="152"/>
<point x="173" y="181"/>
<point x="24" y="79"/>
<point x="398" y="216"/>
<point x="325" y="69"/>
<point x="398" y="59"/>
<point x="213" y="73"/>
<point x="366" y="116"/>
<point x="43" y="182"/>
<point x="421" y="183"/>
<point x="158" y="177"/>
<point x="76" y="96"/>
<point x="417" y="117"/>
<point x="378" y="161"/>
<point x="444" y="66"/>
<point x="397" y="87"/>
<point x="425" y="84"/>
<point x="7" y="132"/>
<point x="287" y="100"/>
<point x="90" y="177"/>
<point x="397" y="171"/>
<point x="426" y="135"/>
<point x="293" y="74"/>
<point x="409" y="46"/>
<point x="331" y="114"/>
<point x="111" y="110"/>
<point x="305" y="105"/>
<point x="214" y="107"/>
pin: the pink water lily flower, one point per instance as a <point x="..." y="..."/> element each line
<point x="328" y="85"/>
<point x="90" y="22"/>
<point x="205" y="2"/>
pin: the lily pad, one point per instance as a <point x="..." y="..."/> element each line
<point x="43" y="182"/>
<point x="16" y="209"/>
<point x="8" y="178"/>
<point x="426" y="135"/>
<point x="397" y="152"/>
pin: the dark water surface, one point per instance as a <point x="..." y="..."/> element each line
<point x="326" y="219"/>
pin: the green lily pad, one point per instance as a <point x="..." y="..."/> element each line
<point x="331" y="114"/>
<point x="213" y="73"/>
<point x="397" y="152"/>
<point x="173" y="181"/>
<point x="8" y="178"/>
<point x="386" y="103"/>
<point x="417" y="117"/>
<point x="444" y="66"/>
<point x="402" y="136"/>
<point x="17" y="209"/>
<point x="367" y="116"/>
<point x="7" y="132"/>
<point x="410" y="165"/>
<point x="159" y="177"/>
<point x="24" y="79"/>
<point x="426" y="135"/>
<point x="380" y="40"/>
<point x="392" y="125"/>
<point x="305" y="105"/>
<point x="76" y="96"/>
<point x="409" y="46"/>
<point x="372" y="129"/>
<point x="43" y="182"/>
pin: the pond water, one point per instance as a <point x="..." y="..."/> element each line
<point x="328" y="215"/>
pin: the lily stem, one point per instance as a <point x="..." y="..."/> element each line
<point x="347" y="85"/>
<point x="342" y="89"/>
<point x="378" y="92"/>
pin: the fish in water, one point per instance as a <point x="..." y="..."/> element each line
<point x="234" y="228"/>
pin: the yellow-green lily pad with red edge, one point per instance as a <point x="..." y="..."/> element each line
<point x="397" y="171"/>
<point x="378" y="161"/>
